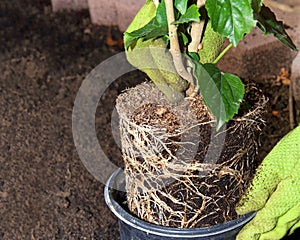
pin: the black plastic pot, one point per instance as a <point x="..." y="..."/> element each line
<point x="132" y="228"/>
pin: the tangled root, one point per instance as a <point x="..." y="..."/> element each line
<point x="179" y="171"/>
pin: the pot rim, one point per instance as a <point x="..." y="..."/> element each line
<point x="154" y="229"/>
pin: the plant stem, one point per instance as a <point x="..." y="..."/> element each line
<point x="156" y="2"/>
<point x="196" y="31"/>
<point x="174" y="43"/>
<point x="195" y="44"/>
<point x="172" y="27"/>
<point x="222" y="53"/>
<point x="196" y="34"/>
<point x="200" y="3"/>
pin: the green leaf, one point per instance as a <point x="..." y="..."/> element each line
<point x="185" y="39"/>
<point x="231" y="18"/>
<point x="268" y="23"/>
<point x="156" y="27"/>
<point x="194" y="55"/>
<point x="161" y="14"/>
<point x="181" y="5"/>
<point x="192" y="15"/>
<point x="221" y="92"/>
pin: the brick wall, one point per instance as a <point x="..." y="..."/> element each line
<point x="58" y="5"/>
<point x="104" y="12"/>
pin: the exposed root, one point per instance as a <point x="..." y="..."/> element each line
<point x="179" y="172"/>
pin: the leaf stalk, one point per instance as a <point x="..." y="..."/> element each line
<point x="223" y="53"/>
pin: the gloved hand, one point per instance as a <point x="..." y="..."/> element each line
<point x="275" y="193"/>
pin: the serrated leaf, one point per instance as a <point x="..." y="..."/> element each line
<point x="181" y="5"/>
<point x="221" y="92"/>
<point x="231" y="18"/>
<point x="156" y="27"/>
<point x="191" y="15"/>
<point x="268" y="23"/>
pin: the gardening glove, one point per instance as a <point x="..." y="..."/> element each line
<point x="274" y="193"/>
<point x="151" y="57"/>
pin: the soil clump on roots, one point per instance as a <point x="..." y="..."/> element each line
<point x="180" y="171"/>
<point x="45" y="190"/>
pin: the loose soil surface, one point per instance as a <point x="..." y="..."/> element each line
<point x="45" y="190"/>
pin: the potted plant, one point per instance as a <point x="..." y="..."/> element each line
<point x="189" y="140"/>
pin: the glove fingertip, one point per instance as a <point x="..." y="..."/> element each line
<point x="241" y="210"/>
<point x="249" y="204"/>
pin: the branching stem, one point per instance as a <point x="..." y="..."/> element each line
<point x="196" y="34"/>
<point x="195" y="44"/>
<point x="174" y="43"/>
<point x="200" y="3"/>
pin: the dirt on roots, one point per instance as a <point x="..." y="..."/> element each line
<point x="180" y="171"/>
<point x="45" y="190"/>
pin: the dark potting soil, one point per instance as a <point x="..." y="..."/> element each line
<point x="45" y="190"/>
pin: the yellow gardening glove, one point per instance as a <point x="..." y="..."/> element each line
<point x="274" y="193"/>
<point x="151" y="57"/>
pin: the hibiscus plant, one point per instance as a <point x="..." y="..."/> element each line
<point x="193" y="33"/>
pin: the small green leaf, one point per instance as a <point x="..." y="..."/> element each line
<point x="150" y="28"/>
<point x="194" y="55"/>
<point x="156" y="27"/>
<point x="192" y="15"/>
<point x="166" y="39"/>
<point x="231" y="18"/>
<point x="269" y="25"/>
<point x="161" y="15"/>
<point x="185" y="39"/>
<point x="181" y="5"/>
<point x="221" y="92"/>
